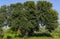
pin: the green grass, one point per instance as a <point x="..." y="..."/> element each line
<point x="37" y="38"/>
<point x="40" y="38"/>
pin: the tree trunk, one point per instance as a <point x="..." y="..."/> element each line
<point x="26" y="33"/>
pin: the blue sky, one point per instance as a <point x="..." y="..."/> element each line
<point x="56" y="4"/>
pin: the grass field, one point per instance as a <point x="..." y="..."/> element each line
<point x="38" y="38"/>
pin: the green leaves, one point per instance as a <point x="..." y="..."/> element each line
<point x="27" y="16"/>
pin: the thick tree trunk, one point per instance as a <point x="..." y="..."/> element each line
<point x="30" y="33"/>
<point x="26" y="33"/>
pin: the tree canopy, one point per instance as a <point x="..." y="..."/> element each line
<point x="27" y="16"/>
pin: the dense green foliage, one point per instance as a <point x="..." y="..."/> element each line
<point x="27" y="16"/>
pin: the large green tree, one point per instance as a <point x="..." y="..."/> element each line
<point x="27" y="16"/>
